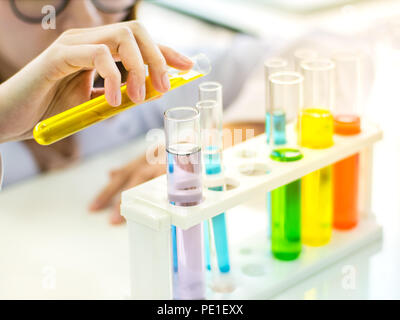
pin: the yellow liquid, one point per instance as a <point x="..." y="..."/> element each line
<point x="316" y="188"/>
<point x="86" y="114"/>
<point x="316" y="127"/>
<point x="317" y="207"/>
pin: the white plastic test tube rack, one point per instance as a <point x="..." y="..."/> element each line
<point x="150" y="216"/>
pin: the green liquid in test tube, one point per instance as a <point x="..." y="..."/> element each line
<point x="286" y="212"/>
<point x="275" y="120"/>
<point x="285" y="201"/>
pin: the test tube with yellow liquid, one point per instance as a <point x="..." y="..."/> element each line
<point x="91" y="112"/>
<point x="316" y="132"/>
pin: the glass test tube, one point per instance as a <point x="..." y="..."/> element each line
<point x="184" y="177"/>
<point x="88" y="113"/>
<point x="316" y="131"/>
<point x="286" y="94"/>
<point x="274" y="118"/>
<point x="302" y="54"/>
<point x="211" y="109"/>
<point x="347" y="115"/>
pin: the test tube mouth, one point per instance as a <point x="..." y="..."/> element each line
<point x="346" y="56"/>
<point x="286" y="77"/>
<point x="317" y="64"/>
<point x="206" y="104"/>
<point x="210" y="86"/>
<point x="276" y="63"/>
<point x="305" y="53"/>
<point x="201" y="64"/>
<point x="181" y="114"/>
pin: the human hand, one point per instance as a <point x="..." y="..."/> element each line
<point x="62" y="76"/>
<point x="130" y="175"/>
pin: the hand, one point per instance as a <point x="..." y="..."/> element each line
<point x="62" y="76"/>
<point x="130" y="175"/>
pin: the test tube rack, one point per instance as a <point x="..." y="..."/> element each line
<point x="248" y="171"/>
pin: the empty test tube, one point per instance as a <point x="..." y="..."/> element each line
<point x="347" y="115"/>
<point x="210" y="106"/>
<point x="316" y="132"/>
<point x="88" y="113"/>
<point x="301" y="55"/>
<point x="184" y="177"/>
<point x="285" y="201"/>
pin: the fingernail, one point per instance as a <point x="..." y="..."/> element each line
<point x="185" y="59"/>
<point x="118" y="98"/>
<point x="165" y="81"/>
<point x="94" y="206"/>
<point x="142" y="93"/>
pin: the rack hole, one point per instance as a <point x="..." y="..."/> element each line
<point x="246" y="153"/>
<point x="215" y="185"/>
<point x="245" y="251"/>
<point x="254" y="169"/>
<point x="254" y="270"/>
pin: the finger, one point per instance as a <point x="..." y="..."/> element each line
<point x="131" y="58"/>
<point x="106" y="196"/>
<point x="96" y="92"/>
<point x="122" y="44"/>
<point x="152" y="56"/>
<point x="115" y="217"/>
<point x="74" y="58"/>
<point x="175" y="59"/>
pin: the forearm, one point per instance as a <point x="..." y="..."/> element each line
<point x="16" y="97"/>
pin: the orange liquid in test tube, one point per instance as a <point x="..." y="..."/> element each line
<point x="346" y="176"/>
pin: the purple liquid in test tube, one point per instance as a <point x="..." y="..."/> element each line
<point x="184" y="176"/>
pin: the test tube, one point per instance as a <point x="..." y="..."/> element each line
<point x="302" y="54"/>
<point x="286" y="94"/>
<point x="347" y="115"/>
<point x="211" y="109"/>
<point x="274" y="118"/>
<point x="316" y="132"/>
<point x="184" y="177"/>
<point x="88" y="113"/>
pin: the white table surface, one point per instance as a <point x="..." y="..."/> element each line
<point x="51" y="247"/>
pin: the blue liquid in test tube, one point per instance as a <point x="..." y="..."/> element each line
<point x="212" y="162"/>
<point x="278" y="124"/>
<point x="211" y="113"/>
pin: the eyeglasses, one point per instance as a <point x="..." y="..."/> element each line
<point x="31" y="10"/>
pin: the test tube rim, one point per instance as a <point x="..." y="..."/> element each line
<point x="346" y="55"/>
<point x="212" y="102"/>
<point x="299" y="78"/>
<point x="203" y="86"/>
<point x="270" y="62"/>
<point x="329" y="64"/>
<point x="194" y="117"/>
<point x="299" y="56"/>
<point x="201" y="57"/>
